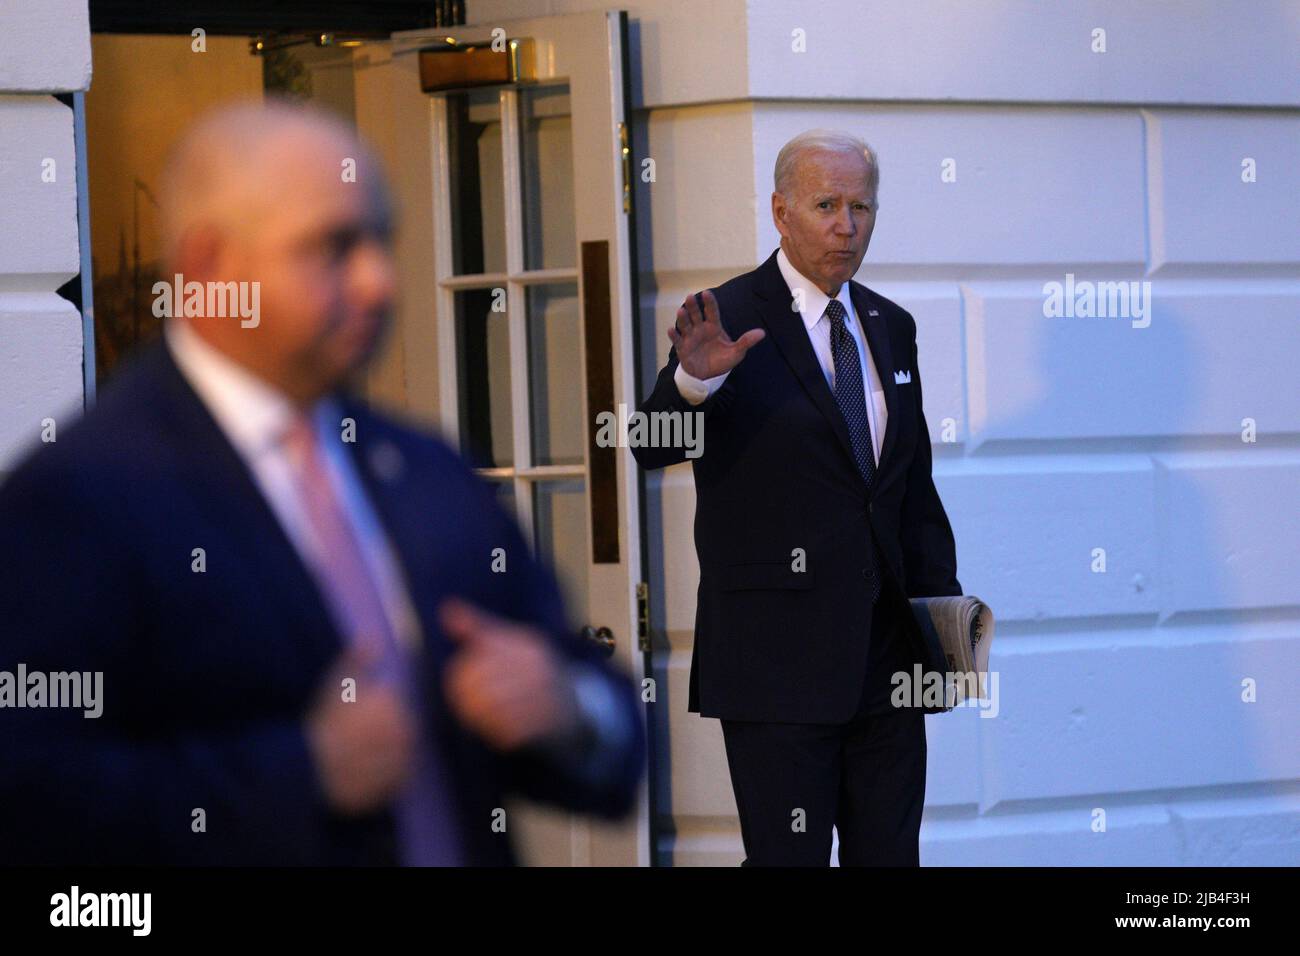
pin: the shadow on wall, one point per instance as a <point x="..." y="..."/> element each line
<point x="1116" y="722"/>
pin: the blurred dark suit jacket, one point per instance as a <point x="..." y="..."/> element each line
<point x="207" y="675"/>
<point x="777" y="474"/>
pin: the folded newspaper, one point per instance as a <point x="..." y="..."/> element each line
<point x="963" y="627"/>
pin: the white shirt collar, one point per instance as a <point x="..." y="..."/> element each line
<point x="814" y="299"/>
<point x="254" y="414"/>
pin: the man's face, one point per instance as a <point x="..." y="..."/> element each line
<point x="322" y="252"/>
<point x="827" y="216"/>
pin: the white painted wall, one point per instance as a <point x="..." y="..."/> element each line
<point x="1016" y="51"/>
<point x="44" y="48"/>
<point x="1119" y="691"/>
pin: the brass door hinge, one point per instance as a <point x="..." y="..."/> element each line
<point x="626" y="150"/>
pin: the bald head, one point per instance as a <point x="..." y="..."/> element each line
<point x="237" y="159"/>
<point x="289" y="198"/>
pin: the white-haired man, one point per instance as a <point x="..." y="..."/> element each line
<point x="816" y="518"/>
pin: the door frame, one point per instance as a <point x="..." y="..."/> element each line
<point x="632" y="638"/>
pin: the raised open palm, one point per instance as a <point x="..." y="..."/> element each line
<point x="703" y="346"/>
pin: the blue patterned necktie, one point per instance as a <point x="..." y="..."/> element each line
<point x="851" y="396"/>
<point x="850" y="393"/>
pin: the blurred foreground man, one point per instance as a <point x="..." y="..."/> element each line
<point x="281" y="603"/>
<point x="816" y="519"/>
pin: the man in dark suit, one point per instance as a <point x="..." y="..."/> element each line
<point x="319" y="639"/>
<point x="816" y="518"/>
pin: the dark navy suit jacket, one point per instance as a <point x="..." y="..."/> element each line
<point x="778" y="638"/>
<point x="208" y="675"/>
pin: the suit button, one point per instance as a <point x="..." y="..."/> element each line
<point x="868" y="573"/>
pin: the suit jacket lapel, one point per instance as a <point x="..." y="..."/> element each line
<point x="228" y="488"/>
<point x="878" y="339"/>
<point x="381" y="467"/>
<point x="787" y="330"/>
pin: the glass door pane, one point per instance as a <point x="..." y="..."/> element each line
<point x="484" y="380"/>
<point x="555" y="374"/>
<point x="560" y="536"/>
<point x="546" y="165"/>
<point x="477" y="182"/>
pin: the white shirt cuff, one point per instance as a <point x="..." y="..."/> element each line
<point x="696" y="390"/>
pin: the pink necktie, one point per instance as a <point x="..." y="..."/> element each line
<point x="349" y="585"/>
<point x="426" y="828"/>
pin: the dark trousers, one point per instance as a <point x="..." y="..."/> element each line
<point x="793" y="782"/>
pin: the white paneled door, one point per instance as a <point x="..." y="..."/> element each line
<point x="523" y="223"/>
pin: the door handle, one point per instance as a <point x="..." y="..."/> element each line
<point x="602" y="637"/>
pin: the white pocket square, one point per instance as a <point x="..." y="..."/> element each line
<point x="903" y="377"/>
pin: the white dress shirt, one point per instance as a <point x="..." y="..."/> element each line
<point x="818" y="327"/>
<point x="254" y="416"/>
